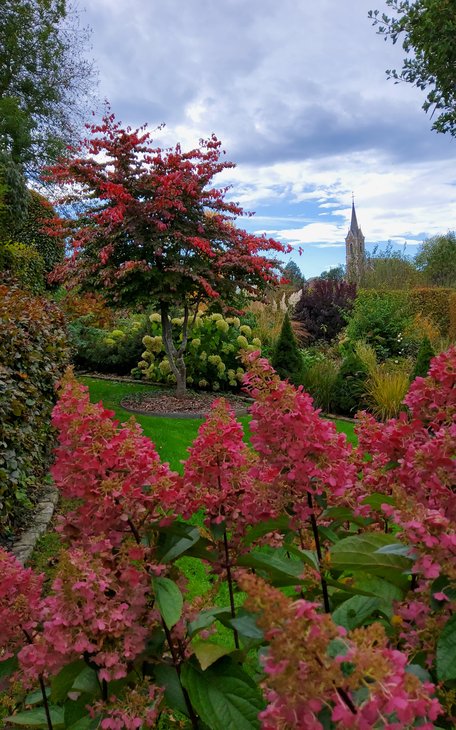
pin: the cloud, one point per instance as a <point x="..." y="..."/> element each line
<point x="297" y="92"/>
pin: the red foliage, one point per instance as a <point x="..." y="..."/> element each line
<point x="151" y="221"/>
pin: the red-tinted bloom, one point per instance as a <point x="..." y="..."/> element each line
<point x="20" y="603"/>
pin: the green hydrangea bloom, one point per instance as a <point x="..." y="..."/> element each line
<point x="222" y="325"/>
<point x="164" y="367"/>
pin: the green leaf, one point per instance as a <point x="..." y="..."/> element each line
<point x="224" y="696"/>
<point x="76" y="711"/>
<point x="280" y="570"/>
<point x="207" y="618"/>
<point x="207" y="652"/>
<point x="309" y="557"/>
<point x="361" y="552"/>
<point x="279" y="524"/>
<point x="343" y="514"/>
<point x="62" y="683"/>
<point x="37" y="718"/>
<point x="87" y="682"/>
<point x="385" y="590"/>
<point x="245" y="624"/>
<point x="8" y="666"/>
<point x="396" y="549"/>
<point x="166" y="676"/>
<point x="84" y="723"/>
<point x="36" y="697"/>
<point x="446" y="651"/>
<point x="328" y="534"/>
<point x="354" y="612"/>
<point x="376" y="500"/>
<point x="169" y="600"/>
<point x="175" y="540"/>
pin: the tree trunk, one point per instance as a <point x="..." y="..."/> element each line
<point x="175" y="355"/>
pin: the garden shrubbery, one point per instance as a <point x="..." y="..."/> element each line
<point x="336" y="569"/>
<point x="286" y="358"/>
<point x="33" y="355"/>
<point x="115" y="350"/>
<point x="22" y="263"/>
<point x="322" y="308"/>
<point x="350" y="385"/>
<point x="212" y="355"/>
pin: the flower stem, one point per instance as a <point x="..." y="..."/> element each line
<point x="176" y="663"/>
<point x="45" y="702"/>
<point x="313" y="522"/>
<point x="230" y="586"/>
<point x="42" y="686"/>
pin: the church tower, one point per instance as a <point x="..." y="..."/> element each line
<point x="355" y="254"/>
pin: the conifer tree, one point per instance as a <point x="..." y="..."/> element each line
<point x="286" y="358"/>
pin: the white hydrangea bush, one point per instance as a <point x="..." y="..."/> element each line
<point x="212" y="357"/>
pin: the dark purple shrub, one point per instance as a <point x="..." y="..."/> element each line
<point x="322" y="307"/>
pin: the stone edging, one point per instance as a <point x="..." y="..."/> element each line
<point x="23" y="548"/>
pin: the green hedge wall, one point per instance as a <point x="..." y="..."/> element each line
<point x="434" y="302"/>
<point x="33" y="356"/>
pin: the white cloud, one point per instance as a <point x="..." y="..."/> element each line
<point x="298" y="94"/>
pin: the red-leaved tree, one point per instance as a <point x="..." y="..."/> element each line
<point x="150" y="225"/>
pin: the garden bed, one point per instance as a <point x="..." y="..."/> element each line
<point x="191" y="405"/>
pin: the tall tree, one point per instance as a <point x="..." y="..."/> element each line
<point x="389" y="269"/>
<point x="427" y="29"/>
<point x="294" y="274"/>
<point x="44" y="78"/>
<point x="152" y="225"/>
<point x="437" y="259"/>
<point x="336" y="273"/>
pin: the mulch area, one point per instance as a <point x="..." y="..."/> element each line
<point x="192" y="405"/>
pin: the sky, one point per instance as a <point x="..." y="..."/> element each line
<point x="297" y="93"/>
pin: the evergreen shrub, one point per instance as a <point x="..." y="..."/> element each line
<point x="423" y="360"/>
<point x="350" y="385"/>
<point x="286" y="358"/>
<point x="33" y="356"/>
<point x="381" y="320"/>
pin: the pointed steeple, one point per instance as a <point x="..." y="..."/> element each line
<point x="354" y="248"/>
<point x="354" y="223"/>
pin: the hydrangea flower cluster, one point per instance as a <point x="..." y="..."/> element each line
<point x="116" y="472"/>
<point x="300" y="453"/>
<point x="413" y="461"/>
<point x="313" y="666"/>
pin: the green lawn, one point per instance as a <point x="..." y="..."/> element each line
<point x="171" y="436"/>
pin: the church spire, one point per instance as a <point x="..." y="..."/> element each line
<point x="354" y="223"/>
<point x="354" y="248"/>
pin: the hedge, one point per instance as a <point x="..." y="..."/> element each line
<point x="438" y="303"/>
<point x="33" y="356"/>
<point x="23" y="263"/>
